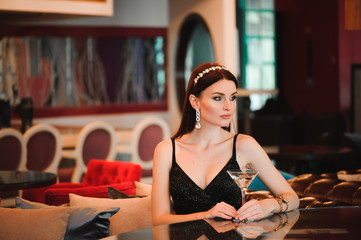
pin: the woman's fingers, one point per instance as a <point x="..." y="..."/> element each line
<point x="224" y="215"/>
<point x="225" y="210"/>
<point x="222" y="210"/>
<point x="248" y="206"/>
<point x="228" y="207"/>
<point x="252" y="210"/>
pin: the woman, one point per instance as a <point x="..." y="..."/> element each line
<point x="190" y="181"/>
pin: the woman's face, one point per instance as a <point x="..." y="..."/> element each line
<point x="217" y="103"/>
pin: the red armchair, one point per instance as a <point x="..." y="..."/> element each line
<point x="100" y="174"/>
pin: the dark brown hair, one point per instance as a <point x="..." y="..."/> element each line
<point x="189" y="113"/>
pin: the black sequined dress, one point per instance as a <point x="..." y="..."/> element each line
<point x="188" y="197"/>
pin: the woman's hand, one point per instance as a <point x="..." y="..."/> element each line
<point x="254" y="209"/>
<point x="222" y="210"/>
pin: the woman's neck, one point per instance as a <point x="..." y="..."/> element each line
<point x="206" y="136"/>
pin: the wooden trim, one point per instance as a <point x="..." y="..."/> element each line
<point x="64" y="7"/>
<point x="81" y="31"/>
<point x="353" y="14"/>
<point x="104" y="109"/>
<point x="89" y="0"/>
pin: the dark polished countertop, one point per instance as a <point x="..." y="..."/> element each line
<point x="317" y="223"/>
<point x="16" y="180"/>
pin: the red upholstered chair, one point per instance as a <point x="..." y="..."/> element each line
<point x="99" y="175"/>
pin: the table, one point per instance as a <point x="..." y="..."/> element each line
<point x="317" y="223"/>
<point x="299" y="159"/>
<point x="17" y="180"/>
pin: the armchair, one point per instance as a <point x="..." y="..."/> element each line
<point x="147" y="133"/>
<point x="99" y="175"/>
<point x="12" y="157"/>
<point x="43" y="153"/>
<point x="12" y="150"/>
<point x="97" y="139"/>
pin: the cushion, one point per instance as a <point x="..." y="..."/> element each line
<point x="115" y="194"/>
<point x="38" y="194"/>
<point x="305" y="201"/>
<point x="142" y="189"/>
<point x="34" y="224"/>
<point x="343" y="192"/>
<point x="312" y="202"/>
<point x="356" y="198"/>
<point x="331" y="204"/>
<point x="100" y="172"/>
<point x="258" y="195"/>
<point x="301" y="182"/>
<point x="329" y="175"/>
<point x="83" y="223"/>
<point x="315" y="204"/>
<point x="320" y="188"/>
<point x="59" y="196"/>
<point x="134" y="213"/>
<point x="350" y="175"/>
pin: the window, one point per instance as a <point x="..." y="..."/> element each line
<point x="258" y="47"/>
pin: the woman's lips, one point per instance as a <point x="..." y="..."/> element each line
<point x="226" y="116"/>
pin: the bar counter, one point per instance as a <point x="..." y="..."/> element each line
<point x="317" y="223"/>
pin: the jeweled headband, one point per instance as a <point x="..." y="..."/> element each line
<point x="207" y="71"/>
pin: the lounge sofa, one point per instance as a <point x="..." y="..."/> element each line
<point x="320" y="190"/>
<point x="328" y="190"/>
<point x="83" y="218"/>
<point x="81" y="210"/>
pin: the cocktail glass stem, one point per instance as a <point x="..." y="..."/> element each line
<point x="243" y="190"/>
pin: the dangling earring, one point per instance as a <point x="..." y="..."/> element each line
<point x="198" y="119"/>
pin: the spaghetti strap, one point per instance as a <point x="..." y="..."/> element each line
<point x="234" y="152"/>
<point x="173" y="152"/>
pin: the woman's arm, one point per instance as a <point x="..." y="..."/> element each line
<point x="251" y="152"/>
<point x="161" y="205"/>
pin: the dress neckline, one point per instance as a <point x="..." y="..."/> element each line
<point x="217" y="175"/>
<point x="210" y="183"/>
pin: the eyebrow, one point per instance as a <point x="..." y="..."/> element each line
<point x="223" y="93"/>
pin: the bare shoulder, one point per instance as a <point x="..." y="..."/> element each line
<point x="163" y="151"/>
<point x="246" y="141"/>
<point x="247" y="144"/>
<point x="249" y="150"/>
<point x="164" y="145"/>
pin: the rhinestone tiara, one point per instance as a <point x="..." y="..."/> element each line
<point x="207" y="71"/>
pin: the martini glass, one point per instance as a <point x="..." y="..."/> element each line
<point x="243" y="179"/>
